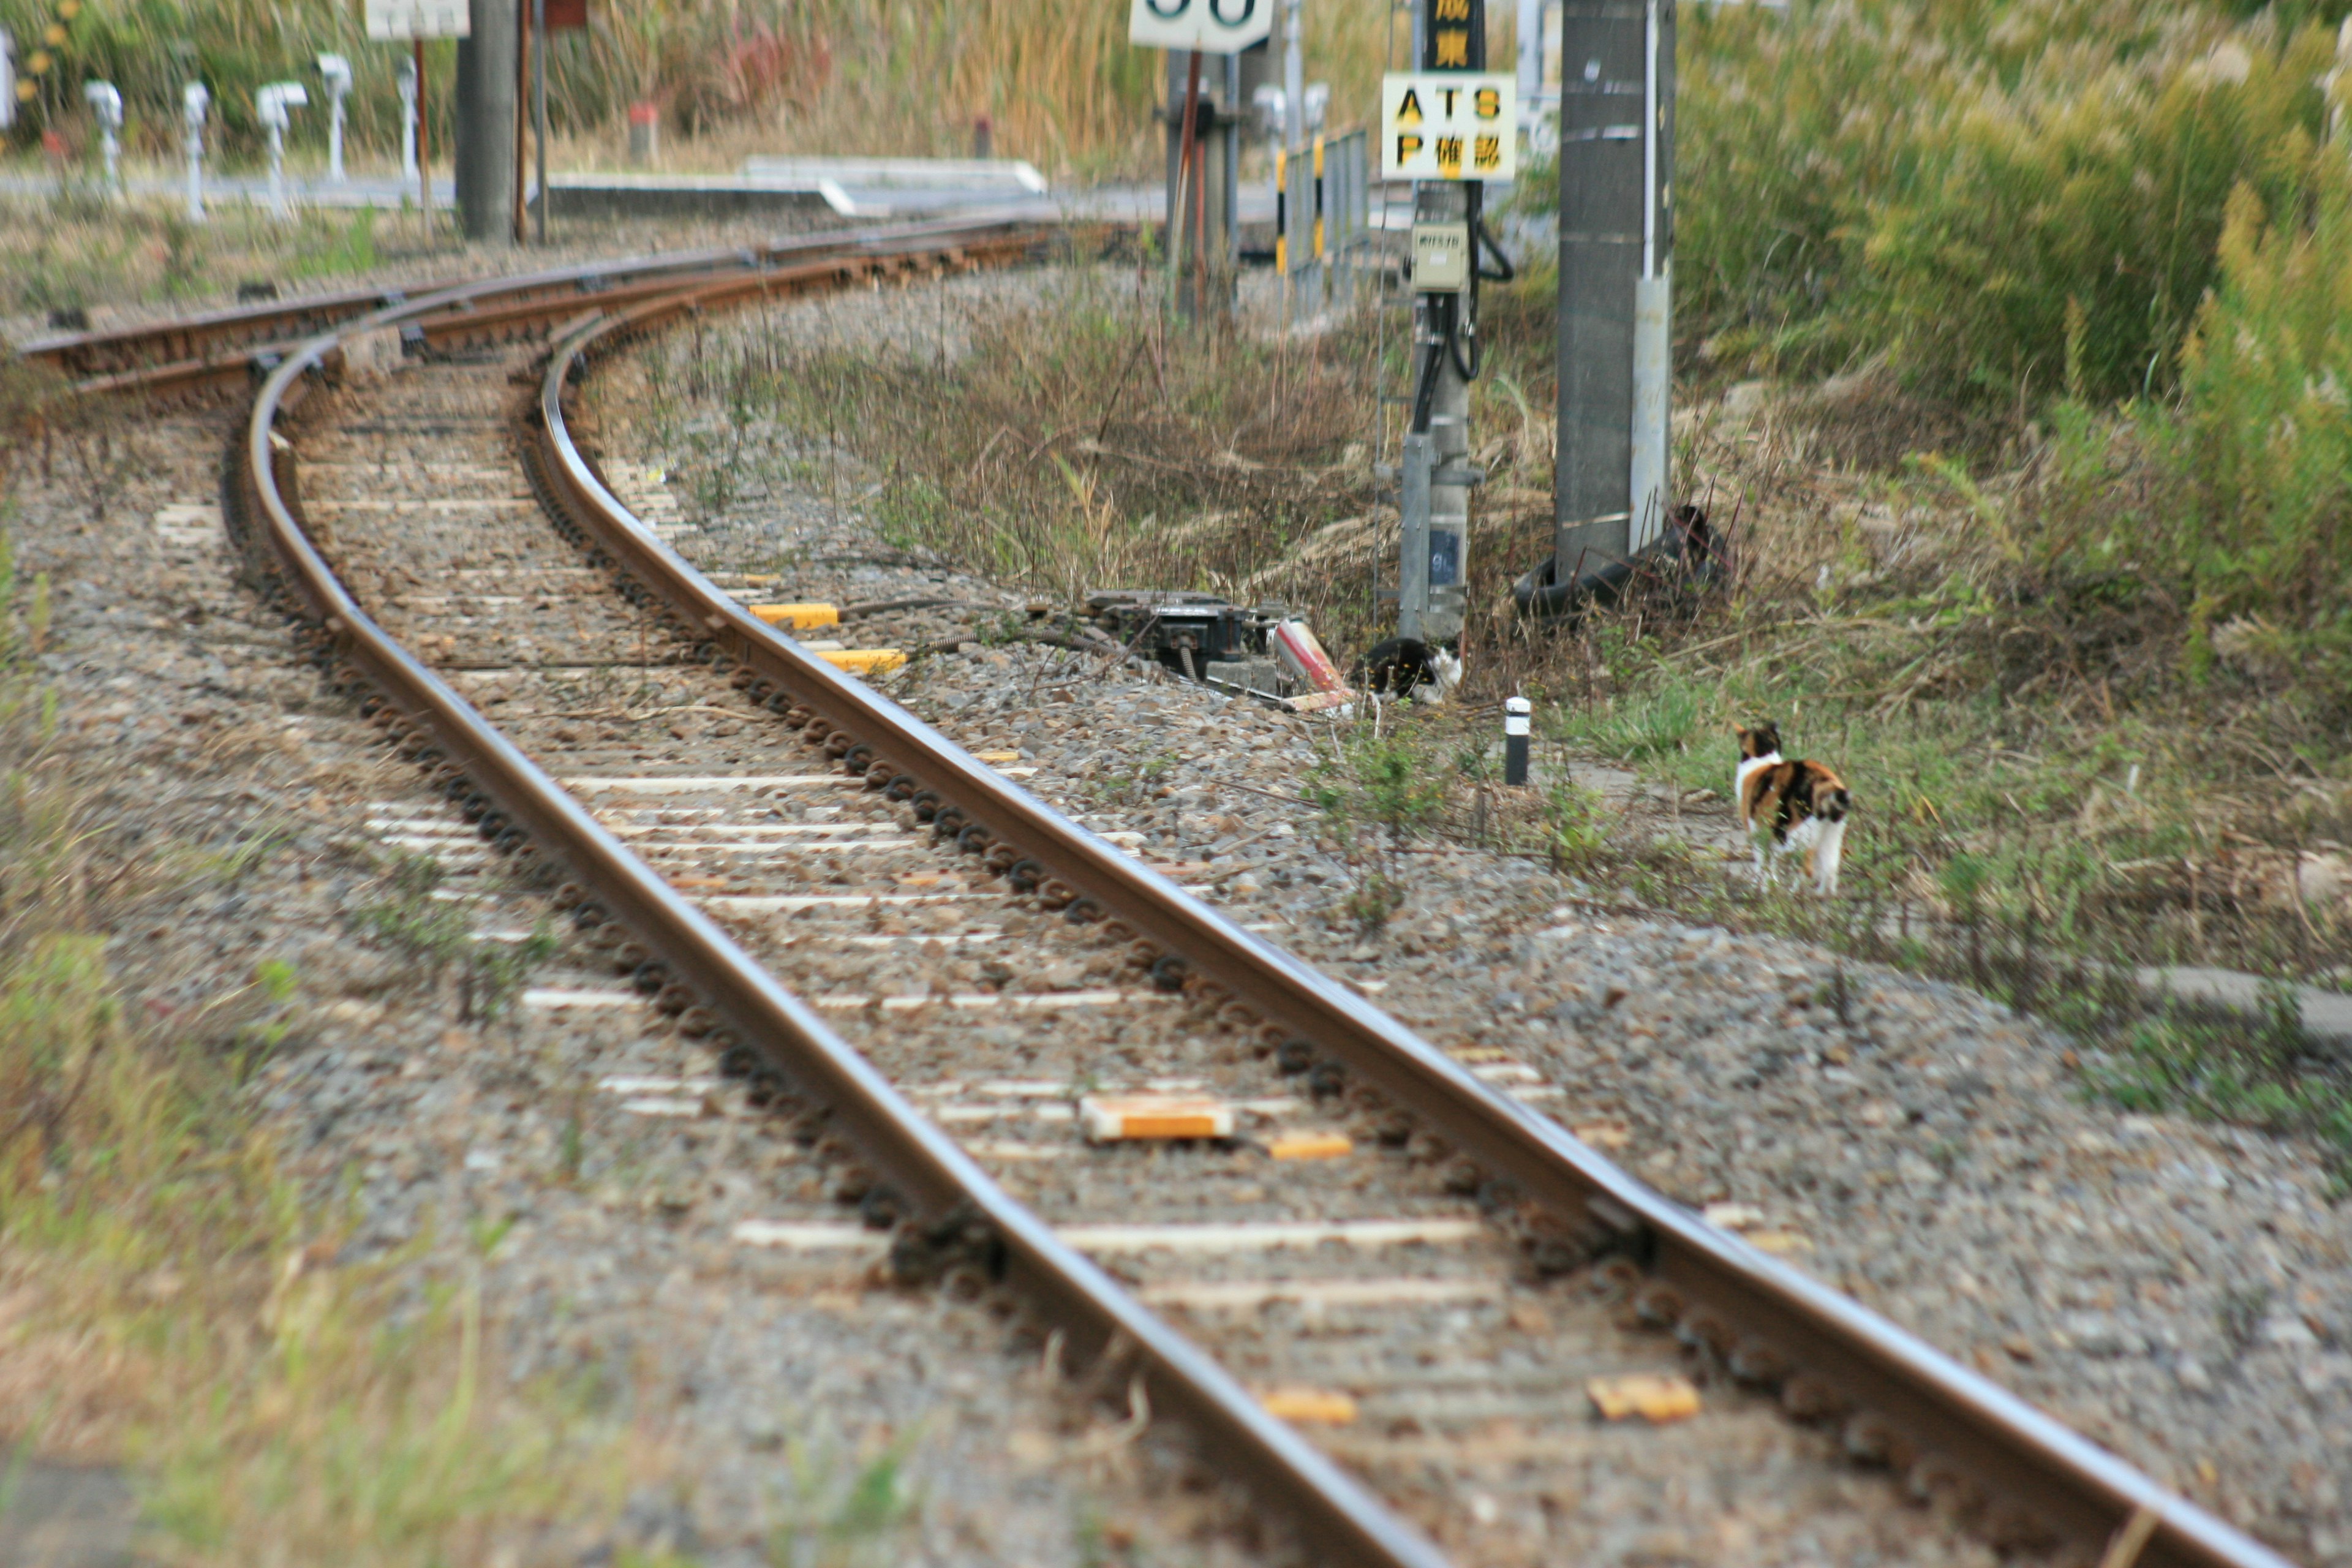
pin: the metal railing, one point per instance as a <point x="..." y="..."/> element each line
<point x="1322" y="225"/>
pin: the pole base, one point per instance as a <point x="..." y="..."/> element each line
<point x="1687" y="552"/>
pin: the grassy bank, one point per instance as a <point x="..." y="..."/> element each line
<point x="66" y="252"/>
<point x="2055" y="783"/>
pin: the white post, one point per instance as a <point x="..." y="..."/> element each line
<point x="7" y="79"/>
<point x="338" y="72"/>
<point x="107" y="105"/>
<point x="194" y="101"/>
<point x="274" y="102"/>
<point x="407" y="80"/>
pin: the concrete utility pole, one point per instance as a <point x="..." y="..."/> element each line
<point x="486" y="123"/>
<point x="1448" y="35"/>
<point x="1616" y="254"/>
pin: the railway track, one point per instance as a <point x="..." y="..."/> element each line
<point x="882" y="939"/>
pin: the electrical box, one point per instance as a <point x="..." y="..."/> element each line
<point x="1441" y="257"/>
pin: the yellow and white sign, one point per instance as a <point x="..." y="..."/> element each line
<point x="1448" y="125"/>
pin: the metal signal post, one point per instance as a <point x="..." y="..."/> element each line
<point x="1449" y="249"/>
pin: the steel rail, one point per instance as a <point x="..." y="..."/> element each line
<point x="223" y="348"/>
<point x="1903" y="1402"/>
<point x="970" y="1223"/>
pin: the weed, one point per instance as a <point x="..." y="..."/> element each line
<point x="837" y="1523"/>
<point x="1374" y="900"/>
<point x="436" y="934"/>
<point x="1576" y="832"/>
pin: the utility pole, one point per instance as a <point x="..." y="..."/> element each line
<point x="1616" y="271"/>
<point x="486" y="123"/>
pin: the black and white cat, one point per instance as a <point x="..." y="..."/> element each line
<point x="1402" y="666"/>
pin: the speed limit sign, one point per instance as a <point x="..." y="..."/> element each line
<point x="1208" y="27"/>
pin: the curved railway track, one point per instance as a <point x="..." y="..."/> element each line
<point x="851" y="861"/>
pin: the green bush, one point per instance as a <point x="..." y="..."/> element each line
<point x="2262" y="436"/>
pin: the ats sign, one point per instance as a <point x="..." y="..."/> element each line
<point x="1448" y="125"/>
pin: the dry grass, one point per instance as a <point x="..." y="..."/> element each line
<point x="65" y="254"/>
<point x="1058" y="78"/>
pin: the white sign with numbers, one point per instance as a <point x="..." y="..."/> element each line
<point x="420" y="19"/>
<point x="1448" y="125"/>
<point x="1206" y="27"/>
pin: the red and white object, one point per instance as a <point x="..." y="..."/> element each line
<point x="1294" y="643"/>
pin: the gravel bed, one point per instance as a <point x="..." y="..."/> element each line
<point x="756" y="1389"/>
<point x="2178" y="1290"/>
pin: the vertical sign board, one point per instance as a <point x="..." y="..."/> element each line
<point x="391" y="19"/>
<point x="1205" y="26"/>
<point x="1449" y="125"/>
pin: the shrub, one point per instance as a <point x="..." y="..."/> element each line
<point x="2261" y="438"/>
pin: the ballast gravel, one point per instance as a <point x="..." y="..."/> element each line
<point x="758" y="1391"/>
<point x="2177" y="1291"/>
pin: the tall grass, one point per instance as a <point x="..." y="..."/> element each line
<point x="2002" y="202"/>
<point x="1058" y="78"/>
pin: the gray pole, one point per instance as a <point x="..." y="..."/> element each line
<point x="486" y="125"/>
<point x="1294" y="76"/>
<point x="1229" y="125"/>
<point x="1616" y="246"/>
<point x="1431" y="600"/>
<point x="539" y="104"/>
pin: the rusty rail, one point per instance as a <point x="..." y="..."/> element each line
<point x="1901" y="1401"/>
<point x="969" y="1223"/>
<point x="223" y="348"/>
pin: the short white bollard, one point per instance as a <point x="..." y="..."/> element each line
<point x="107" y="104"/>
<point x="275" y="104"/>
<point x="194" y="101"/>
<point x="407" y="80"/>
<point x="338" y="72"/>
<point x="1515" y="724"/>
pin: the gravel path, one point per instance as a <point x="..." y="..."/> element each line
<point x="2180" y="1292"/>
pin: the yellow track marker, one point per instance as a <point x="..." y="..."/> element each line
<point x="1656" y="1399"/>
<point x="1154" y="1116"/>
<point x="996" y="756"/>
<point x="1310" y="1404"/>
<point x="863" y="661"/>
<point x="799" y="617"/>
<point x="1310" y="1146"/>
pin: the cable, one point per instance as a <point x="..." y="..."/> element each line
<point x="1481" y="235"/>
<point x="1425" y="392"/>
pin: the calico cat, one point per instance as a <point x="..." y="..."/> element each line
<point x="1791" y="808"/>
<point x="1395" y="668"/>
